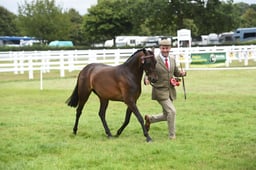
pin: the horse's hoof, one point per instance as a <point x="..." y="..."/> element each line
<point x="117" y="135"/>
<point x="149" y="140"/>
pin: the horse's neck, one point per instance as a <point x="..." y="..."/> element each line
<point x="135" y="67"/>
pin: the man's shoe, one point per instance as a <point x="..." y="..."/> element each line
<point x="147" y="122"/>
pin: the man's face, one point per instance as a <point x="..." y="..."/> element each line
<point x="165" y="50"/>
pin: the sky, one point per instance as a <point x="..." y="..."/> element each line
<point x="80" y="5"/>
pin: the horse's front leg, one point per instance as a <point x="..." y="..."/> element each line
<point x="102" y="114"/>
<point x="126" y="121"/>
<point x="135" y="110"/>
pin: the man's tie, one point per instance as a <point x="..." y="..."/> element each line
<point x="166" y="63"/>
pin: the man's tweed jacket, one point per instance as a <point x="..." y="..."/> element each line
<point x="162" y="89"/>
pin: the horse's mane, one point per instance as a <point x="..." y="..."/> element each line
<point x="132" y="56"/>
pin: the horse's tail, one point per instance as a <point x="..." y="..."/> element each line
<point x="72" y="101"/>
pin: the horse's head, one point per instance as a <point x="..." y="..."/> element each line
<point x="148" y="61"/>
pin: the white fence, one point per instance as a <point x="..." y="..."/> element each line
<point x="45" y="61"/>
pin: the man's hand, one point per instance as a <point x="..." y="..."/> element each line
<point x="183" y="73"/>
<point x="146" y="81"/>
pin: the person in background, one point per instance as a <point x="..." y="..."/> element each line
<point x="164" y="89"/>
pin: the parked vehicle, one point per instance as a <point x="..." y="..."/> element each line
<point x="130" y="41"/>
<point x="245" y="34"/>
<point x="17" y="41"/>
<point x="109" y="43"/>
<point x="226" y="37"/>
<point x="213" y="38"/>
<point x="152" y="41"/>
<point x="61" y="44"/>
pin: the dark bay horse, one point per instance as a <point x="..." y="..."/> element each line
<point x="116" y="83"/>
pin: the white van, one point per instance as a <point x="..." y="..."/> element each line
<point x="131" y="41"/>
<point x="109" y="43"/>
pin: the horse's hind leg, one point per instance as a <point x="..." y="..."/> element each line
<point x="79" y="109"/>
<point x="78" y="114"/>
<point x="126" y="122"/>
<point x="102" y="114"/>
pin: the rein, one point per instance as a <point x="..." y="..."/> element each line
<point x="147" y="56"/>
<point x="143" y="61"/>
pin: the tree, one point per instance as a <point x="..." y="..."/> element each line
<point x="215" y="17"/>
<point x="76" y="34"/>
<point x="7" y="23"/>
<point x="138" y="16"/>
<point x="238" y="10"/>
<point x="44" y="20"/>
<point x="248" y="19"/>
<point x="253" y="6"/>
<point x="159" y="18"/>
<point x="225" y="21"/>
<point x="106" y="20"/>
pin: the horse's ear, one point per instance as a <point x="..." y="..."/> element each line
<point x="144" y="50"/>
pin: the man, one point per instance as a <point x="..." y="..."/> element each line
<point x="164" y="89"/>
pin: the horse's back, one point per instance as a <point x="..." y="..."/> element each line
<point x="105" y="80"/>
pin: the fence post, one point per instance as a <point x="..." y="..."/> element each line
<point x="30" y="67"/>
<point x="241" y="53"/>
<point x="187" y="58"/>
<point x="254" y="53"/>
<point x="21" y="61"/>
<point x="62" y="69"/>
<point x="15" y="62"/>
<point x="41" y="77"/>
<point x="117" y="56"/>
<point x="47" y="62"/>
<point x="71" y="60"/>
<point x="92" y="56"/>
<point x="43" y="66"/>
<point x="104" y="54"/>
<point x="246" y="53"/>
<point x="228" y="52"/>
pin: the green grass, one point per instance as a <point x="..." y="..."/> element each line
<point x="215" y="126"/>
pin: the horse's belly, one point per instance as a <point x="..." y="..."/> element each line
<point x="108" y="93"/>
<point x="108" y="85"/>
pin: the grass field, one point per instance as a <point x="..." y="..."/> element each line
<point x="216" y="126"/>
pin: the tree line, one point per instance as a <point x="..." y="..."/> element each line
<point x="46" y="20"/>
